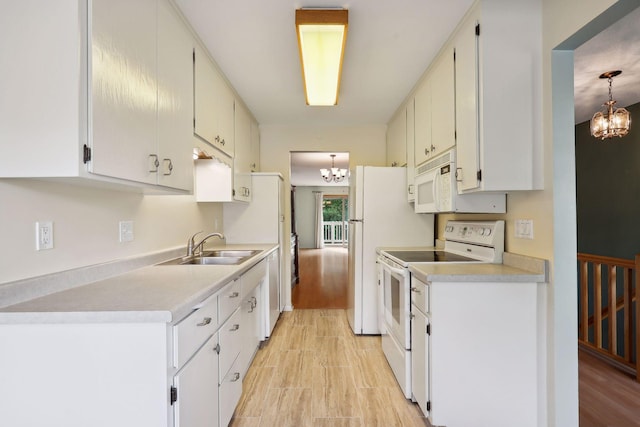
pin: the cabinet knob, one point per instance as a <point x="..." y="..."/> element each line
<point x="205" y="321"/>
<point x="416" y="290"/>
<point x="217" y="348"/>
<point x="433" y="148"/>
<point x="236" y="377"/>
<point x="222" y="141"/>
<point x="235" y="327"/>
<point x="217" y="138"/>
<point x="234" y="295"/>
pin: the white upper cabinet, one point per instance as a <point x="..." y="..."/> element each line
<point x="498" y="96"/>
<point x="97" y="111"/>
<point x="435" y="109"/>
<point x="411" y="163"/>
<point x="175" y="100"/>
<point x="255" y="146"/>
<point x="242" y="159"/>
<point x="123" y="89"/>
<point x="397" y="139"/>
<point x="214" y="104"/>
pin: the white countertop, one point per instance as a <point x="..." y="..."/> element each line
<point x="473" y="272"/>
<point x="515" y="268"/>
<point x="157" y="293"/>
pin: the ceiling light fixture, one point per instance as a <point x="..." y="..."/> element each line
<point x="608" y="123"/>
<point x="322" y="35"/>
<point x="334" y="174"/>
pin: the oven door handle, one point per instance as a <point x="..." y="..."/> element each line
<point x="401" y="271"/>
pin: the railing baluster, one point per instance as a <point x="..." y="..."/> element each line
<point x="597" y="304"/>
<point x="613" y="313"/>
<point x="584" y="300"/>
<point x="628" y="327"/>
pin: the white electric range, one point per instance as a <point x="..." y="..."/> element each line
<point x="464" y="242"/>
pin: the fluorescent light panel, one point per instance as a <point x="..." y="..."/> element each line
<point x="322" y="34"/>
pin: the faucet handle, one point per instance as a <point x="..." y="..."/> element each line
<point x="191" y="243"/>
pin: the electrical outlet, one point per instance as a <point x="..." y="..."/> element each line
<point x="524" y="228"/>
<point x="44" y="235"/>
<point x="126" y="231"/>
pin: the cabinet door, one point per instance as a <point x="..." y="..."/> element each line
<point x="241" y="160"/>
<point x="397" y="139"/>
<point x="225" y="106"/>
<point x="197" y="389"/>
<point x="420" y="359"/>
<point x="123" y="89"/>
<point x="175" y="100"/>
<point x="255" y="147"/>
<point x="411" y="163"/>
<point x="205" y="87"/>
<point x="443" y="103"/>
<point x="422" y="106"/>
<point x="467" y="113"/>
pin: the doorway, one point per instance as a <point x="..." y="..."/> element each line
<point x="319" y="213"/>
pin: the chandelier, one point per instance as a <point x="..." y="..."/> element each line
<point x="334" y="174"/>
<point x="608" y="123"/>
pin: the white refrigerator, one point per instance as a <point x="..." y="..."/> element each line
<point x="262" y="221"/>
<point x="379" y="215"/>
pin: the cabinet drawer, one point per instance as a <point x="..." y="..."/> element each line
<point x="253" y="277"/>
<point x="230" y="342"/>
<point x="229" y="299"/>
<point x="420" y="294"/>
<point x="193" y="330"/>
<point x="230" y="392"/>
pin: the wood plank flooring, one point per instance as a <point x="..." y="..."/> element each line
<point x="608" y="397"/>
<point x="314" y="372"/>
<point x="323" y="279"/>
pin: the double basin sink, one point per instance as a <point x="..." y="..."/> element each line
<point x="215" y="257"/>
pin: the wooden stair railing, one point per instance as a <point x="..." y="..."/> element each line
<point x="592" y="267"/>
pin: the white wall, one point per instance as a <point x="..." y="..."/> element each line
<point x="86" y="225"/>
<point x="366" y="146"/>
<point x="306" y="212"/>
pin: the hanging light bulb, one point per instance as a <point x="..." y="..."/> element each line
<point x="608" y="123"/>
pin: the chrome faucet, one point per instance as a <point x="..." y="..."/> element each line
<point x="192" y="247"/>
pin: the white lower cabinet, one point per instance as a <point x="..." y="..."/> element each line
<point x="197" y="382"/>
<point x="420" y="359"/>
<point x="475" y="354"/>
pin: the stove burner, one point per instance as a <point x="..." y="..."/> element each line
<point x="428" y="256"/>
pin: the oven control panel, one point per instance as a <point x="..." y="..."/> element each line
<point x="486" y="233"/>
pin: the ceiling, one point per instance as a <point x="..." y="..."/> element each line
<point x="389" y="46"/>
<point x="305" y="167"/>
<point x="616" y="48"/>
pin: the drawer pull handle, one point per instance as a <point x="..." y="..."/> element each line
<point x="416" y="290"/>
<point x="234" y="295"/>
<point x="236" y="377"/>
<point x="205" y="321"/>
<point x="235" y="327"/>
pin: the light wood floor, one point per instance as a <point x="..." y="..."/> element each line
<point x="314" y="372"/>
<point x="323" y="279"/>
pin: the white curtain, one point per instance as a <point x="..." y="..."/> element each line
<point x="319" y="227"/>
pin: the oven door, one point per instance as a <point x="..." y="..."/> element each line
<point x="396" y="302"/>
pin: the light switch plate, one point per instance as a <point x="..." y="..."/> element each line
<point x="126" y="231"/>
<point x="524" y="228"/>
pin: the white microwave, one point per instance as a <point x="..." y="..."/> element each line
<point x="436" y="190"/>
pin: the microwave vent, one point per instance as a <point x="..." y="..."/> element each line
<point x="432" y="164"/>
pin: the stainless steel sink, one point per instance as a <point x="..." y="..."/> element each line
<point x="215" y="257"/>
<point x="244" y="253"/>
